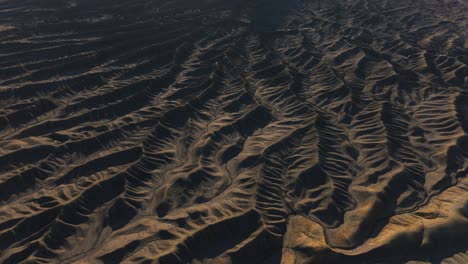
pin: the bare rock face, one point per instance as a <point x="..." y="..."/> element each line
<point x="217" y="131"/>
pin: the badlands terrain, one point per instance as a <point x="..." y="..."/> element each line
<point x="216" y="131"/>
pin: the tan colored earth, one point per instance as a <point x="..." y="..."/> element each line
<point x="233" y="131"/>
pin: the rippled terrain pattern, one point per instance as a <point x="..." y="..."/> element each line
<point x="217" y="131"/>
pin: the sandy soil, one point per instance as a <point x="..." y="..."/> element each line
<point x="238" y="131"/>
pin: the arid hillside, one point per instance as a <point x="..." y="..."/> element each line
<point x="216" y="131"/>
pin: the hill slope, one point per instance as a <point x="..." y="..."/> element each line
<point x="240" y="132"/>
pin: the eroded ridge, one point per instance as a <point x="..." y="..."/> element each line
<point x="241" y="132"/>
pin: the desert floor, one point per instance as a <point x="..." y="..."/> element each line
<point x="282" y="131"/>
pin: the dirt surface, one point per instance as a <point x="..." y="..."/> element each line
<point x="279" y="131"/>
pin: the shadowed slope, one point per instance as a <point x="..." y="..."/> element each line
<point x="241" y="132"/>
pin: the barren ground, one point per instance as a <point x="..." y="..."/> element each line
<point x="258" y="131"/>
